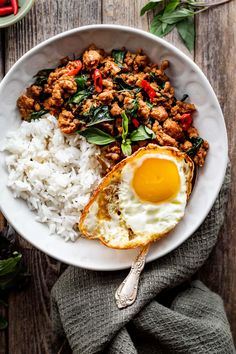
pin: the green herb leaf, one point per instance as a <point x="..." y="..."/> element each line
<point x="3" y="323"/>
<point x="42" y="77"/>
<point x="176" y="16"/>
<point x="126" y="148"/>
<point x="155" y="78"/>
<point x="171" y="6"/>
<point x="80" y="96"/>
<point x="186" y="31"/>
<point x="142" y="133"/>
<point x="81" y="81"/>
<point x="185" y="96"/>
<point x="99" y="115"/>
<point x="132" y="111"/>
<point x="96" y="136"/>
<point x="124" y="86"/>
<point x="125" y="126"/>
<point x="197" y="142"/>
<point x="118" y="55"/>
<point x="149" y="6"/>
<point x="37" y="115"/>
<point x="9" y="269"/>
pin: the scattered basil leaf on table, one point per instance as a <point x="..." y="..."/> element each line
<point x="142" y="133"/>
<point x="149" y="6"/>
<point x="186" y="31"/>
<point x="176" y="13"/>
<point x="3" y="323"/>
<point x="96" y="136"/>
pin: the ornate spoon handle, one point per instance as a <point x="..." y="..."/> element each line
<point x="127" y="292"/>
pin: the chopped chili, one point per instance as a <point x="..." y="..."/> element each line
<point x="76" y="70"/>
<point x="186" y="120"/>
<point x="7" y="10"/>
<point x="148" y="89"/>
<point x="135" y="122"/>
<point x="97" y="77"/>
<point x="14" y="4"/>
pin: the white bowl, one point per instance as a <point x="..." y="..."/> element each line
<point x="185" y="76"/>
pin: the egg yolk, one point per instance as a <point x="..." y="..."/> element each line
<point x="156" y="180"/>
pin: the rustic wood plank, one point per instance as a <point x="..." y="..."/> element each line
<point x="215" y="54"/>
<point x="30" y="328"/>
<point x="47" y="18"/>
<point x="3" y="310"/>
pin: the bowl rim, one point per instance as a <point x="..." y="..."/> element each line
<point x="181" y="55"/>
<point x="12" y="20"/>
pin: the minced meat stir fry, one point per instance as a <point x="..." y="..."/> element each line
<point x="119" y="100"/>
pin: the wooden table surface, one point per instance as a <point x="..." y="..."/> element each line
<point x="30" y="330"/>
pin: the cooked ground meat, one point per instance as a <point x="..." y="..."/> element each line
<point x="97" y="89"/>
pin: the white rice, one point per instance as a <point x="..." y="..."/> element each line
<point x="54" y="173"/>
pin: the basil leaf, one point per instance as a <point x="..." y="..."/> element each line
<point x="155" y="78"/>
<point x="185" y="96"/>
<point x="132" y="111"/>
<point x="159" y="28"/>
<point x="81" y="81"/>
<point x="99" y="115"/>
<point x="142" y="133"/>
<point x="42" y="77"/>
<point x="118" y="55"/>
<point x="80" y="96"/>
<point x="186" y="31"/>
<point x="37" y="115"/>
<point x="3" y="323"/>
<point x="125" y="126"/>
<point x="122" y="85"/>
<point x="149" y="6"/>
<point x="171" y="6"/>
<point x="176" y="16"/>
<point x="126" y="148"/>
<point x="96" y="136"/>
<point x="197" y="142"/>
<point x="9" y="269"/>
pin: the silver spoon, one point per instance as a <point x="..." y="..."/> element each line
<point x="127" y="292"/>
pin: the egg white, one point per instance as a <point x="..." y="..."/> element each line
<point x="145" y="218"/>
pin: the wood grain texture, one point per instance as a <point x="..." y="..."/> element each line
<point x="30" y="329"/>
<point x="3" y="310"/>
<point x="45" y="19"/>
<point x="215" y="54"/>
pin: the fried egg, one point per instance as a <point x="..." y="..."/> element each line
<point x="142" y="199"/>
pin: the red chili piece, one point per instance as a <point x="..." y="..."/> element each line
<point x="7" y="10"/>
<point x="3" y="3"/>
<point x="76" y="70"/>
<point x="148" y="88"/>
<point x="135" y="122"/>
<point x="186" y="121"/>
<point x="14" y="4"/>
<point x="97" y="78"/>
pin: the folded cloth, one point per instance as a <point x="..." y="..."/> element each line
<point x="83" y="304"/>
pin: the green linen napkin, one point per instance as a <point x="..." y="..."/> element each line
<point x="84" y="309"/>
